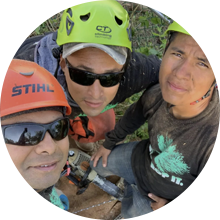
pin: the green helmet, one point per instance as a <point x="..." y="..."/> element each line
<point x="101" y="22"/>
<point x="200" y="19"/>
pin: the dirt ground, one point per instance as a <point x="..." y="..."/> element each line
<point x="94" y="202"/>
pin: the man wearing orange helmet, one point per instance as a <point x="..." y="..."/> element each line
<point x="33" y="108"/>
<point x="91" y="57"/>
<point x="183" y="119"/>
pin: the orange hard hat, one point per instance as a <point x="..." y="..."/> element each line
<point x="29" y="86"/>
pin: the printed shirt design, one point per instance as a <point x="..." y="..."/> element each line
<point x="58" y="209"/>
<point x="109" y="106"/>
<point x="169" y="160"/>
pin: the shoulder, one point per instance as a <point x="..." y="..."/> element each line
<point x="153" y="94"/>
<point x="27" y="49"/>
<point x="139" y="57"/>
<point x="143" y="66"/>
<point x="151" y="100"/>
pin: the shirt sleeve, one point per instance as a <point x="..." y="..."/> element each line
<point x="135" y="116"/>
<point x="204" y="203"/>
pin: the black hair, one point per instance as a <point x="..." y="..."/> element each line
<point x="172" y="35"/>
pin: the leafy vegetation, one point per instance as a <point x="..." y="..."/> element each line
<point x="148" y="32"/>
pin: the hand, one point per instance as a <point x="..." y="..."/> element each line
<point x="102" y="152"/>
<point x="159" y="202"/>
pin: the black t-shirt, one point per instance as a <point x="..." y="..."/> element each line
<point x="44" y="205"/>
<point x="176" y="151"/>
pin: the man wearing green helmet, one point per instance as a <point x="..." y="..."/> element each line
<point x="183" y="118"/>
<point x="94" y="64"/>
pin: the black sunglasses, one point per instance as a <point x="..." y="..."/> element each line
<point x="86" y="78"/>
<point x="28" y="134"/>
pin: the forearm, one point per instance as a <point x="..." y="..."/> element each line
<point x="131" y="121"/>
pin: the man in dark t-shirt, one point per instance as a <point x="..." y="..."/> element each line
<point x="33" y="141"/>
<point x="183" y="119"/>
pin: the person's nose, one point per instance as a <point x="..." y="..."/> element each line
<point x="184" y="70"/>
<point x="47" y="146"/>
<point x="95" y="90"/>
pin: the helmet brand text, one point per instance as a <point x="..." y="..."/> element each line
<point x="25" y="89"/>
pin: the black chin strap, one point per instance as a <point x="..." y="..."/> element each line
<point x="8" y="185"/>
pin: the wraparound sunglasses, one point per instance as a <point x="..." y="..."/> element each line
<point x="29" y="134"/>
<point x="86" y="78"/>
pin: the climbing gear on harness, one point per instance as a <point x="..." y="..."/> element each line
<point x="86" y="129"/>
<point x="28" y="86"/>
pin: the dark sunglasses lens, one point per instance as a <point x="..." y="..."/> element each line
<point x="59" y="129"/>
<point x="110" y="80"/>
<point x="81" y="77"/>
<point x="23" y="135"/>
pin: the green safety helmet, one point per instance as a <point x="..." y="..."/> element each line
<point x="103" y="22"/>
<point x="200" y="19"/>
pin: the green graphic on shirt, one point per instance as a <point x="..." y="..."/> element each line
<point x="58" y="209"/>
<point x="170" y="160"/>
<point x="109" y="106"/>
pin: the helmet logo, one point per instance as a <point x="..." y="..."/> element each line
<point x="198" y="22"/>
<point x="69" y="25"/>
<point x="31" y="88"/>
<point x="104" y="29"/>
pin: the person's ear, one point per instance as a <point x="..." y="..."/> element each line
<point x="62" y="63"/>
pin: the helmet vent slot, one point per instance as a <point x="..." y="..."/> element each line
<point x="187" y="10"/>
<point x="218" y="18"/>
<point x="69" y="11"/>
<point x="119" y="21"/>
<point x="85" y="17"/>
